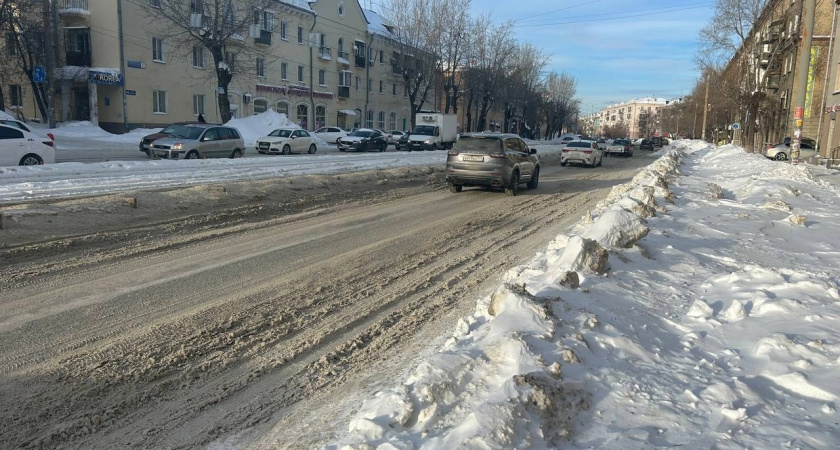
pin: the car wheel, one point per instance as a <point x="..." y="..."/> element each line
<point x="286" y="150"/>
<point x="312" y="149"/>
<point x="600" y="161"/>
<point x="631" y="153"/>
<point x="513" y="188"/>
<point x="535" y="179"/>
<point x="455" y="188"/>
<point x="563" y="163"/>
<point x="30" y="160"/>
<point x="236" y="154"/>
<point x="192" y="154"/>
<point x="593" y="163"/>
<point x="382" y="148"/>
<point x="780" y="156"/>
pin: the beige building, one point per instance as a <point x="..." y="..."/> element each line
<point x="638" y="114"/>
<point x="324" y="62"/>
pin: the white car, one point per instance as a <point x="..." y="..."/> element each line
<point x="22" y="148"/>
<point x="329" y="134"/>
<point x="582" y="152"/>
<point x="394" y="136"/>
<point x="286" y="141"/>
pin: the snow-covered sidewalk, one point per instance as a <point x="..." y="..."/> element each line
<point x="708" y="317"/>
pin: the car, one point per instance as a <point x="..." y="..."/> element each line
<point x="200" y="140"/>
<point x="286" y="141"/>
<point x="603" y="144"/>
<point x="402" y="142"/>
<point x="16" y="124"/>
<point x="495" y="160"/>
<point x="394" y="136"/>
<point x="168" y="131"/>
<point x="362" y="140"/>
<point x="582" y="152"/>
<point x="620" y="147"/>
<point x="330" y="134"/>
<point x="566" y="139"/>
<point x="781" y="152"/>
<point x="23" y="148"/>
<point x="646" y="144"/>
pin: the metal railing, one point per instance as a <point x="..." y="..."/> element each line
<point x="73" y="4"/>
<point x="325" y="52"/>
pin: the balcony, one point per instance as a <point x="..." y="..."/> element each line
<point x="396" y="69"/>
<point x="78" y="59"/>
<point x="325" y="52"/>
<point x="344" y="91"/>
<point x="73" y="7"/>
<point x="264" y="38"/>
<point x="361" y="60"/>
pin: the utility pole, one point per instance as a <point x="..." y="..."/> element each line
<point x="50" y="52"/>
<point x="802" y="64"/>
<point x="705" y="105"/>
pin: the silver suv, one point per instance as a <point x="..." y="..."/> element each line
<point x="200" y="140"/>
<point x="492" y="160"/>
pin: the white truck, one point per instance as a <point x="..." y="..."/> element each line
<point x="433" y="131"/>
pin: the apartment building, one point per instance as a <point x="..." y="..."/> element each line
<point x="324" y="62"/>
<point x="638" y="114"/>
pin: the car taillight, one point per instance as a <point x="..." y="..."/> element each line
<point x="453" y="152"/>
<point x="50" y="143"/>
<point x="51" y="136"/>
<point x="587" y="151"/>
<point x="498" y="155"/>
<point x="565" y="150"/>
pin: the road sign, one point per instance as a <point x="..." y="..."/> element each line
<point x="130" y="92"/>
<point x="736" y="125"/>
<point x="39" y="74"/>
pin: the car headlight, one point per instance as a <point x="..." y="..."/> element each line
<point x="177" y="146"/>
<point x="427" y="141"/>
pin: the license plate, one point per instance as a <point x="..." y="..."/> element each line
<point x="263" y="145"/>
<point x="161" y="154"/>
<point x="473" y="158"/>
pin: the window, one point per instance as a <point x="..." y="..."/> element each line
<point x="9" y="133"/>
<point x="394" y="89"/>
<point x="358" y="83"/>
<point x="381" y="122"/>
<point x="369" y="118"/>
<point x="196" y="7"/>
<point x="322" y="77"/>
<point x="340" y="9"/>
<point x="300" y="35"/>
<point x="154" y="3"/>
<point x="198" y="57"/>
<point x="369" y="85"/>
<point x="15" y="95"/>
<point x="341" y="48"/>
<point x="157" y="50"/>
<point x="265" y="19"/>
<point x="381" y="86"/>
<point x="283" y="31"/>
<point x="231" y="61"/>
<point x="302" y="116"/>
<point x="284" y="71"/>
<point x="345" y="78"/>
<point x="260" y="68"/>
<point x="300" y="74"/>
<point x="392" y="125"/>
<point x="320" y="116"/>
<point x="381" y="56"/>
<point x="11" y="47"/>
<point x="159" y="102"/>
<point x="283" y="108"/>
<point x="260" y="106"/>
<point x="198" y="104"/>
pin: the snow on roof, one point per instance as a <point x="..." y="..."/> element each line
<point x="301" y="4"/>
<point x="377" y="24"/>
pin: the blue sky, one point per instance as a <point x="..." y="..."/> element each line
<point x="616" y="49"/>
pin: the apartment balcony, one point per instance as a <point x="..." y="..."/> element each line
<point x="325" y="53"/>
<point x="343" y="58"/>
<point x="78" y="59"/>
<point x="344" y="91"/>
<point x="264" y="38"/>
<point x="361" y="61"/>
<point x="69" y="8"/>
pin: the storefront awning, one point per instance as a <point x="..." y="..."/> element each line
<point x="348" y="112"/>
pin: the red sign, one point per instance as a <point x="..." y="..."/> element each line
<point x="798" y="112"/>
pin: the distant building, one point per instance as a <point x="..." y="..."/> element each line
<point x="639" y="115"/>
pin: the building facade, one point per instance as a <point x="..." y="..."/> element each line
<point x="324" y="62"/>
<point x="639" y="115"/>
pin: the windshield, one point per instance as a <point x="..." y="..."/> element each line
<point x="281" y="133"/>
<point x="478" y="145"/>
<point x="177" y="131"/>
<point x="579" y="144"/>
<point x="362" y="133"/>
<point x="621" y="142"/>
<point x="425" y="130"/>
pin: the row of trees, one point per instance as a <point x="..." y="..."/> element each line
<point x="477" y="64"/>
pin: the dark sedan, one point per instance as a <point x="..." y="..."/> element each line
<point x="363" y="140"/>
<point x="646" y="144"/>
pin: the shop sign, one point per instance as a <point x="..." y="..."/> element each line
<point x="114" y="79"/>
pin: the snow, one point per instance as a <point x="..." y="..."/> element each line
<point x="697" y="305"/>
<point x="714" y="323"/>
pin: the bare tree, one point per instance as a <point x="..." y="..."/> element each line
<point x="220" y="26"/>
<point x="453" y="48"/>
<point x="491" y="52"/>
<point x="22" y="27"/>
<point x="522" y="92"/>
<point x="561" y="106"/>
<point x="617" y="130"/>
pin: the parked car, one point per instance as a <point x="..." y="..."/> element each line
<point x="781" y="152"/>
<point x="566" y="139"/>
<point x="16" y="124"/>
<point x="286" y="141"/>
<point x="603" y="143"/>
<point x="620" y="147"/>
<point x="330" y="134"/>
<point x="394" y="136"/>
<point x="402" y="142"/>
<point x="582" y="152"/>
<point x="492" y="160"/>
<point x="169" y="131"/>
<point x="646" y="144"/>
<point x="363" y="140"/>
<point x="23" y="148"/>
<point x="200" y="140"/>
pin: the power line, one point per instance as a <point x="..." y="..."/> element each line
<point x="621" y="15"/>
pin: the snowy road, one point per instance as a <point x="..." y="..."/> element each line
<point x="221" y="312"/>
